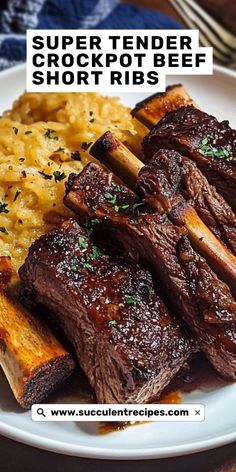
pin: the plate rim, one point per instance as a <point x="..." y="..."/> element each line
<point x="61" y="447"/>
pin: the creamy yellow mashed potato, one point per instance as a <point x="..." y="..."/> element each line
<point x="43" y="139"/>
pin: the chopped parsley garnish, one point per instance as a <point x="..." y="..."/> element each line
<point x="112" y="323"/>
<point x="208" y="150"/>
<point x="111" y="198"/>
<point x="76" y="156"/>
<point x="85" y="145"/>
<point x="73" y="268"/>
<point x="15" y="130"/>
<point x="45" y="176"/>
<point x="131" y="299"/>
<point x="60" y="149"/>
<point x="4" y="230"/>
<point x="50" y="134"/>
<point x="117" y="188"/>
<point x="18" y="192"/>
<point x="94" y="254"/>
<point x="91" y="113"/>
<point x="59" y="176"/>
<point x="28" y="132"/>
<point x="3" y="208"/>
<point x="90" y="224"/>
<point x="117" y="208"/>
<point x="21" y="159"/>
<point x="86" y="265"/>
<point x="82" y="242"/>
<point x="91" y="121"/>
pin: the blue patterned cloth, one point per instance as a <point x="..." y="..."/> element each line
<point x="16" y="16"/>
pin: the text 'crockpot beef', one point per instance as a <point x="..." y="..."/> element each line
<point x="210" y="143"/>
<point x="127" y="343"/>
<point x="203" y="301"/>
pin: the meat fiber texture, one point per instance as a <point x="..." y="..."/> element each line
<point x="127" y="343"/>
<point x="188" y="283"/>
<point x="173" y="181"/>
<point x="208" y="142"/>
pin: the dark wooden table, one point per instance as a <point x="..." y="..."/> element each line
<point x="16" y="457"/>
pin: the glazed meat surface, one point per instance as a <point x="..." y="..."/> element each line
<point x="171" y="181"/>
<point x="204" y="302"/>
<point x="208" y="142"/>
<point x="127" y="343"/>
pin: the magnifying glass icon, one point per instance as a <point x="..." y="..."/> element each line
<point x="40" y="411"/>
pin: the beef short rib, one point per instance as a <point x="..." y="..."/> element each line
<point x="172" y="181"/>
<point x="208" y="142"/>
<point x="127" y="343"/>
<point x="205" y="302"/>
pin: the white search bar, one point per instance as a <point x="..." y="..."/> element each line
<point x="114" y="412"/>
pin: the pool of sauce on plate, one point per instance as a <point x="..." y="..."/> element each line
<point x="197" y="375"/>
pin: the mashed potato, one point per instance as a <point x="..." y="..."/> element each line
<point x="43" y="139"/>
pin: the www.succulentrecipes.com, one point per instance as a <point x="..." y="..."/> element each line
<point x="112" y="412"/>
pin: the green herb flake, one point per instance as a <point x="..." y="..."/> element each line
<point x="91" y="121"/>
<point x="117" y="189"/>
<point x="74" y="268"/>
<point x="60" y="149"/>
<point x="132" y="299"/>
<point x="207" y="149"/>
<point x="118" y="208"/>
<point x="15" y="130"/>
<point x="86" y="265"/>
<point x="82" y="242"/>
<point x="45" y="176"/>
<point x="59" y="176"/>
<point x="4" y="230"/>
<point x="111" y="198"/>
<point x="94" y="254"/>
<point x="112" y="323"/>
<point x="28" y="132"/>
<point x="50" y="134"/>
<point x="3" y="207"/>
<point x="76" y="156"/>
<point x="204" y="141"/>
<point x="85" y="145"/>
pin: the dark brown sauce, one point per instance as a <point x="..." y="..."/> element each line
<point x="197" y="375"/>
<point x="110" y="427"/>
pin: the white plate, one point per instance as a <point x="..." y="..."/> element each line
<point x="216" y="95"/>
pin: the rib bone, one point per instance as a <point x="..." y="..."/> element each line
<point x="109" y="151"/>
